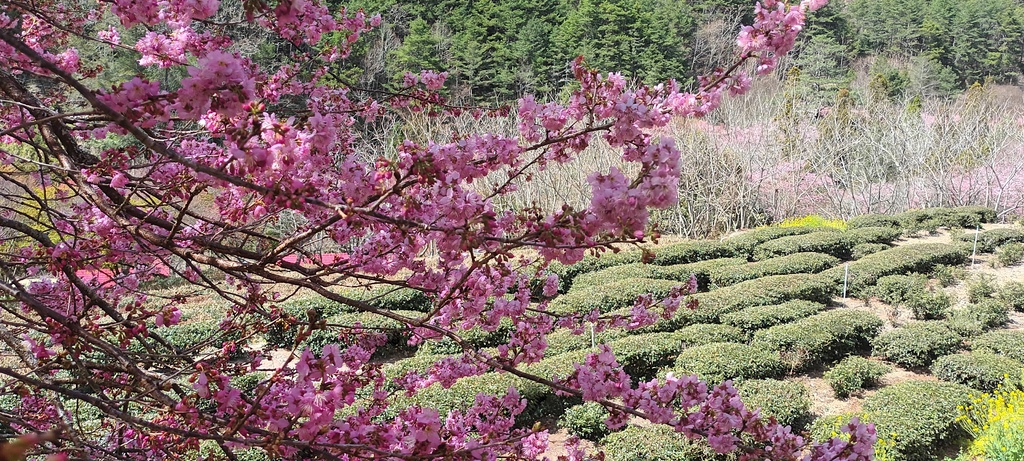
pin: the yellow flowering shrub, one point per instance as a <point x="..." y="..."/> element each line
<point x="813" y="221"/>
<point x="996" y="423"/>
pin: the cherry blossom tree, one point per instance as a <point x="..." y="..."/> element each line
<point x="205" y="168"/>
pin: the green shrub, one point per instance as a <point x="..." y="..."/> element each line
<point x="611" y="275"/>
<point x="807" y="263"/>
<point x="1012" y="294"/>
<point x="921" y="258"/>
<point x="917" y="344"/>
<point x="1009" y="343"/>
<point x="987" y="314"/>
<point x="717" y="362"/>
<point x="397" y="332"/>
<point x="773" y="289"/>
<point x="980" y="370"/>
<point x="477" y="337"/>
<point x="191" y="337"/>
<point x="759" y="317"/>
<point x="690" y="252"/>
<point x="961" y="217"/>
<point x="564" y="340"/>
<point x="989" y="240"/>
<point x="706" y="333"/>
<point x="854" y="373"/>
<point x="420" y="363"/>
<point x="873" y="220"/>
<point x="746" y="242"/>
<point x="1010" y="254"/>
<point x="911" y="291"/>
<point x="681" y="318"/>
<point x="788" y="402"/>
<point x="397" y="299"/>
<point x="836" y="244"/>
<point x="821" y="338"/>
<point x="655" y="443"/>
<point x="591" y="263"/>
<point x="586" y="421"/>
<point x="982" y="286"/>
<point x="864" y="249"/>
<point x="609" y="297"/>
<point x="880" y="235"/>
<point x="920" y="414"/>
<point x="247" y="383"/>
<point x="642" y="355"/>
<point x="914" y="420"/>
<point x="948" y="275"/>
<point x="701" y="270"/>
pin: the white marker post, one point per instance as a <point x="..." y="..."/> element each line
<point x="974" y="251"/>
<point x="846" y="278"/>
<point x="593" y="342"/>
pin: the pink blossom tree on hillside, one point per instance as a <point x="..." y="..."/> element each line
<point x="89" y="231"/>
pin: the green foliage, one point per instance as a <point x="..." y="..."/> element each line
<point x="1009" y="343"/>
<point x="989" y="240"/>
<point x="611" y="296"/>
<point x="874" y="221"/>
<point x="706" y="333"/>
<point x="903" y="259"/>
<point x="1010" y="254"/>
<point x="477" y="337"/>
<point x="981" y="287"/>
<point x="821" y="338"/>
<point x="948" y="275"/>
<point x="590" y="263"/>
<point x="655" y="443"/>
<point x="586" y="421"/>
<point x="788" y="402"/>
<point x="642" y="355"/>
<point x="864" y="249"/>
<point x="980" y="370"/>
<point x="854" y="373"/>
<point x="797" y="263"/>
<point x="717" y="362"/>
<point x="773" y="289"/>
<point x="564" y="340"/>
<point x="1012" y="294"/>
<point x="911" y="291"/>
<point x="915" y="420"/>
<point x="759" y="317"/>
<point x="392" y="299"/>
<point x="690" y="252"/>
<point x="877" y="234"/>
<point x="420" y="363"/>
<point x="917" y="344"/>
<point x="837" y="244"/>
<point x="702" y="270"/>
<point x="966" y="217"/>
<point x="747" y="241"/>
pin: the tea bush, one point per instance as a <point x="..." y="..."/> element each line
<point x="989" y="240"/>
<point x="917" y="344"/>
<point x="615" y="295"/>
<point x="1009" y="343"/>
<point x="921" y="258"/>
<point x="948" y="275"/>
<point x="864" y="249"/>
<point x="564" y="340"/>
<point x="1012" y="294"/>
<point x="874" y="235"/>
<point x="1010" y="254"/>
<point x="690" y="252"/>
<point x="591" y="263"/>
<point x="821" y="338"/>
<point x="982" y="286"/>
<point x="836" y="244"/>
<point x="706" y="333"/>
<point x="854" y="373"/>
<point x="759" y="317"/>
<point x="873" y="220"/>
<point x="788" y="402"/>
<point x="797" y="263"/>
<point x="773" y="289"/>
<point x="655" y="443"/>
<point x="642" y="355"/>
<point x="702" y="270"/>
<point x="586" y="421"/>
<point x="980" y="370"/>
<point x="911" y="291"/>
<point x="717" y="362"/>
<point x="746" y="242"/>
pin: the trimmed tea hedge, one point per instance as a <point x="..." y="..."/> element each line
<point x="904" y="259"/>
<point x="654" y="443"/>
<point x="773" y="289"/>
<point x="717" y="362"/>
<point x="611" y="296"/>
<point x="821" y="338"/>
<point x="586" y="421"/>
<point x="854" y="373"/>
<point x="759" y="317"/>
<point x="642" y="355"/>
<point x="931" y="218"/>
<point x="706" y="333"/>
<point x="702" y="270"/>
<point x="917" y="344"/>
<point x="911" y="291"/>
<point x="478" y="337"/>
<point x="591" y="263"/>
<point x="788" y="402"/>
<point x="798" y="263"/>
<point x="564" y="340"/>
<point x="921" y="414"/>
<point x="400" y="299"/>
<point x="873" y="220"/>
<point x="989" y="240"/>
<point x="746" y="242"/>
<point x="690" y="252"/>
<point x="980" y="370"/>
<point x="1009" y="343"/>
<point x="399" y="368"/>
<point x="837" y="244"/>
<point x="875" y="235"/>
<point x="864" y="249"/>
